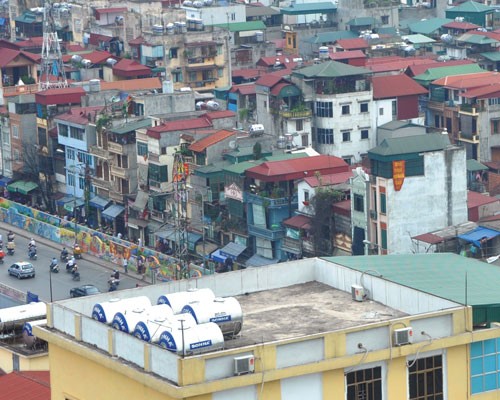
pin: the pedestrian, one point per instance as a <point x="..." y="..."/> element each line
<point x="125" y="265"/>
<point x="119" y="236"/>
<point x="139" y="242"/>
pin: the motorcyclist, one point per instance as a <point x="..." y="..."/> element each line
<point x="115" y="274"/>
<point x="32" y="251"/>
<point x="75" y="273"/>
<point x="32" y="243"/>
<point x="64" y="253"/>
<point x="71" y="262"/>
<point x="53" y="265"/>
<point x="10" y="236"/>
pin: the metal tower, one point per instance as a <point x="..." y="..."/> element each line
<point x="52" y="73"/>
<point x="180" y="173"/>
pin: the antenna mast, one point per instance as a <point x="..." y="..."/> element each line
<point x="180" y="173"/>
<point x="52" y="73"/>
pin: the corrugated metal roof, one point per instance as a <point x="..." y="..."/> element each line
<point x="461" y="25"/>
<point x="470" y="7"/>
<point x="260" y="11"/>
<point x="440" y="274"/>
<point x="32" y="385"/>
<point x="417" y="38"/>
<point x="309" y="8"/>
<point x="353" y="44"/>
<point x="475" y="199"/>
<point x="243" y="26"/>
<point x="436" y="73"/>
<point x="131" y="126"/>
<point x="474" y="165"/>
<point x="362" y="21"/>
<point x="468" y="81"/>
<point x="210" y="140"/>
<point x="391" y="86"/>
<point x="411" y="144"/>
<point x="330" y="69"/>
<point x="492" y="55"/>
<point x="428" y="26"/>
<point x="241" y="167"/>
<point x="330" y="37"/>
<point x="475" y="39"/>
<point x="346" y="55"/>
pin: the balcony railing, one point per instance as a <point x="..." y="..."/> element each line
<point x="116" y="196"/>
<point x="100" y="182"/>
<point x="470" y="108"/>
<point x="296" y="114"/>
<point x="120" y="172"/>
<point x="292" y="244"/>
<point x="270" y="202"/>
<point x="269" y="234"/>
<point x="20" y="89"/>
<point x="99" y="152"/>
<point x="115" y="147"/>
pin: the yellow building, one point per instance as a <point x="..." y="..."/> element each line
<point x="394" y="327"/>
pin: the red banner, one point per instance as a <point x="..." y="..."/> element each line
<point x="398" y="174"/>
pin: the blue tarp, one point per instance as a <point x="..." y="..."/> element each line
<point x="5" y="181"/>
<point x="99" y="202"/>
<point x="112" y="211"/>
<point x="232" y="250"/>
<point x="217" y="256"/>
<point x="477" y="234"/>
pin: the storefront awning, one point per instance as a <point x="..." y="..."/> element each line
<point x="192" y="239"/>
<point x="112" y="211"/>
<point x="99" y="202"/>
<point x="63" y="200"/>
<point x="166" y="234"/>
<point x="135" y="223"/>
<point x="4" y="181"/>
<point x="141" y="201"/>
<point x="72" y="204"/>
<point x="232" y="250"/>
<point x="217" y="256"/>
<point x="23" y="187"/>
<point x="479" y="233"/>
<point x="259" y="261"/>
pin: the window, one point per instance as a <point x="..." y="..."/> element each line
<point x="346" y="136"/>
<point x="177" y="76"/>
<point x="346" y="109"/>
<point x="364" y="134"/>
<point x="383" y="245"/>
<point x="324" y="136"/>
<point x="394" y="107"/>
<point x="495" y="126"/>
<point x="324" y="109"/>
<point x="84" y="158"/>
<point x="6" y="138"/>
<point x="381" y="111"/>
<point x="348" y="160"/>
<point x="233" y="16"/>
<point x="76" y="133"/>
<point x="363" y="107"/>
<point x="70" y="154"/>
<point x="299" y="125"/>
<point x="142" y="149"/>
<point x="163" y="151"/>
<point x="81" y="182"/>
<point x="71" y="180"/>
<point x="265" y="104"/>
<point x="220" y="72"/>
<point x="383" y="205"/>
<point x="485" y="365"/>
<point x="15" y="131"/>
<point x="63" y="130"/>
<point x="193" y="76"/>
<point x="364" y="384"/>
<point x="425" y="376"/>
<point x="385" y="19"/>
<point x="219" y="49"/>
<point x="173" y="52"/>
<point x="306" y="195"/>
<point x="305" y="140"/>
<point x="359" y="203"/>
<point x="16" y="155"/>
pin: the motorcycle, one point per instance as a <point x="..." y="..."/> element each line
<point x="64" y="256"/>
<point x="76" y="274"/>
<point x="113" y="284"/>
<point x="11" y="248"/>
<point x="32" y="254"/>
<point x="77" y="252"/>
<point x="2" y="256"/>
<point x="54" y="267"/>
<point x="69" y="267"/>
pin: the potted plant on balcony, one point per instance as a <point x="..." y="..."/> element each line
<point x="305" y="202"/>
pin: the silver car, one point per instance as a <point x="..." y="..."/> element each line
<point x="21" y="270"/>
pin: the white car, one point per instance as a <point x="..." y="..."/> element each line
<point x="21" y="270"/>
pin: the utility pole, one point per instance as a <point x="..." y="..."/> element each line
<point x="181" y="171"/>
<point x="52" y="73"/>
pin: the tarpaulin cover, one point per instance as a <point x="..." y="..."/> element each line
<point x="477" y="234"/>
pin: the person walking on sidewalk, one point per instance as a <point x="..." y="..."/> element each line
<point x="125" y="264"/>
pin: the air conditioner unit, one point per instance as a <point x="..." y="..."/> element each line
<point x="357" y="292"/>
<point x="244" y="365"/>
<point x="373" y="215"/>
<point x="402" y="336"/>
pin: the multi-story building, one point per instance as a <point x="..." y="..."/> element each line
<point x="423" y="170"/>
<point x="341" y="98"/>
<point x="328" y="328"/>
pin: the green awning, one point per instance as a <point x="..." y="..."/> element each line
<point x="474" y="165"/>
<point x="22" y="187"/>
<point x="155" y="70"/>
<point x="72" y="204"/>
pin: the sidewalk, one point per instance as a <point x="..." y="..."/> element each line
<point x="4" y="228"/>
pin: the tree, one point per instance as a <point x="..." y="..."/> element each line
<point x="257" y="151"/>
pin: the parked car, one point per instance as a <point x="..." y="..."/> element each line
<point x="21" y="270"/>
<point x="84" y="290"/>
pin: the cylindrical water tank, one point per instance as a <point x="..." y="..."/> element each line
<point x="224" y="311"/>
<point x="151" y="329"/>
<point x="187" y="3"/>
<point x="170" y="28"/>
<point x="16" y="316"/>
<point x="198" y="23"/>
<point x="183" y="27"/>
<point x="259" y="36"/>
<point x="105" y="311"/>
<point x="177" y="27"/>
<point x="324" y="52"/>
<point x="28" y="337"/>
<point x="167" y="86"/>
<point x="197" y="339"/>
<point x="197" y="4"/>
<point x="76" y="58"/>
<point x="178" y="300"/>
<point x="157" y="29"/>
<point x="212" y="105"/>
<point x="94" y="85"/>
<point x="126" y="321"/>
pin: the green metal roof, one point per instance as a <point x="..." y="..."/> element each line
<point x="470" y="7"/>
<point x="330" y="37"/>
<point x="132" y="126"/>
<point x="410" y="144"/>
<point x="241" y="167"/>
<point x="210" y="169"/>
<point x="440" y="274"/>
<point x="492" y="55"/>
<point x="243" y="26"/>
<point x="428" y="26"/>
<point x="27" y="18"/>
<point x="362" y="21"/>
<point x="476" y="39"/>
<point x="388" y="30"/>
<point x="309" y="8"/>
<point x="437" y="73"/>
<point x="330" y="69"/>
<point x="285" y="156"/>
<point x="474" y="165"/>
<point x="418" y="38"/>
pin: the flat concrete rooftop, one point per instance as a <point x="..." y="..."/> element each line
<point x="303" y="309"/>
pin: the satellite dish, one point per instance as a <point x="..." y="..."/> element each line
<point x="233" y="145"/>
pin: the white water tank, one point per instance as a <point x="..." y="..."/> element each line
<point x="111" y="61"/>
<point x="151" y="329"/>
<point x="256" y="130"/>
<point x="224" y="311"/>
<point x="213" y="105"/>
<point x="105" y="311"/>
<point x="259" y="36"/>
<point x="197" y="339"/>
<point x="16" y="316"/>
<point x="94" y="85"/>
<point x="324" y="52"/>
<point x="157" y="29"/>
<point x="183" y="27"/>
<point x="167" y="86"/>
<point x="28" y="337"/>
<point x="178" y="300"/>
<point x="126" y="321"/>
<point x="170" y="28"/>
<point x="76" y="58"/>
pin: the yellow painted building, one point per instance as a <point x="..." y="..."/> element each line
<point x="338" y="328"/>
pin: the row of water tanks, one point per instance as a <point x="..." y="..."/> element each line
<point x="197" y="3"/>
<point x="191" y="24"/>
<point x="189" y="322"/>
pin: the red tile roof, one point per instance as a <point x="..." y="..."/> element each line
<point x="391" y="86"/>
<point x="179" y="125"/>
<point x="136" y="41"/>
<point x="36" y="41"/>
<point x="32" y="385"/>
<point x="75" y="48"/>
<point x="399" y="65"/>
<point x="9" y="45"/>
<point x="95" y="39"/>
<point x="243" y="89"/>
<point x="345" y="55"/>
<point x="98" y="57"/>
<point x="475" y="199"/>
<point x="492" y="35"/>
<point x="468" y="81"/>
<point x="429" y="238"/>
<point x="249" y="73"/>
<point x="210" y="140"/>
<point x="69" y="95"/>
<point x="273" y="60"/>
<point x="79" y="115"/>
<point x="132" y="84"/>
<point x="268" y="80"/>
<point x="219" y="114"/>
<point x="298" y="221"/>
<point x="330" y="179"/>
<point x="8" y="55"/>
<point x="130" y="68"/>
<point x="484" y="92"/>
<point x="353" y="44"/>
<point x="461" y="25"/>
<point x="286" y="170"/>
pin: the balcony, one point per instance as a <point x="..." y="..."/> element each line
<point x="101" y="183"/>
<point x="269" y="234"/>
<point x="469" y="138"/>
<point x="269" y="202"/>
<point x="115" y="148"/>
<point x="435" y="105"/>
<point x="116" y="196"/>
<point x="296" y="114"/>
<point x="99" y="152"/>
<point x="292" y="245"/>
<point x="120" y="172"/>
<point x="470" y="109"/>
<point x="20" y="89"/>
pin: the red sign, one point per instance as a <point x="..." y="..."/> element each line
<point x="398" y="174"/>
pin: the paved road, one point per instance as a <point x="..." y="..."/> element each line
<point x="93" y="270"/>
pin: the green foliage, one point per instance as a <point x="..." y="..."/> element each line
<point x="243" y="114"/>
<point x="28" y="80"/>
<point x="257" y="151"/>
